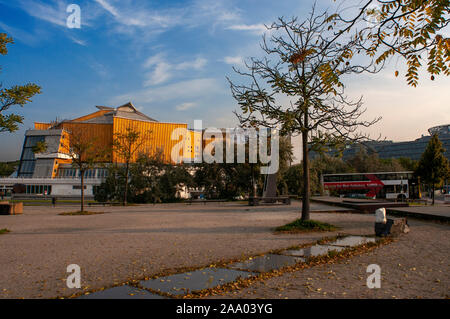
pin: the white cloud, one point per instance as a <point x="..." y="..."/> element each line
<point x="133" y="16"/>
<point x="53" y="13"/>
<point x="185" y="106"/>
<point x="162" y="71"/>
<point x="214" y="13"/>
<point x="108" y="7"/>
<point x="197" y="64"/>
<point x="143" y="17"/>
<point x="160" y="74"/>
<point x="234" y="60"/>
<point x="253" y="28"/>
<point x="78" y="41"/>
<point x="187" y="90"/>
<point x="153" y="60"/>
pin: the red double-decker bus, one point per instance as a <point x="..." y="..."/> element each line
<point x="388" y="185"/>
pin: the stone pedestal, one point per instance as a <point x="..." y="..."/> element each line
<point x="11" y="208"/>
<point x="399" y="226"/>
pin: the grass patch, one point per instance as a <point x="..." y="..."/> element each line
<point x="416" y="204"/>
<point x="80" y="213"/>
<point x="4" y="231"/>
<point x="305" y="226"/>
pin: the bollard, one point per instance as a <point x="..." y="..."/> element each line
<point x="382" y="225"/>
<point x="380" y="215"/>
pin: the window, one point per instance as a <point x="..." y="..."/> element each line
<point x="389" y="188"/>
<point x="38" y="189"/>
<point x="27" y="160"/>
<point x="102" y="173"/>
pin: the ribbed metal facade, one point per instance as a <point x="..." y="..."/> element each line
<point x="153" y="135"/>
<point x="101" y="128"/>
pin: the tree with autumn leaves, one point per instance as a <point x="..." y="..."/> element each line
<point x="298" y="88"/>
<point x="15" y="95"/>
<point x="298" y="85"/>
<point x="126" y="144"/>
<point x="433" y="167"/>
<point x="84" y="153"/>
<point x="410" y="29"/>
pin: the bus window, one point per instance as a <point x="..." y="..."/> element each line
<point x="389" y="188"/>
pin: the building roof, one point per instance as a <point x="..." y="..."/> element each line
<point x="105" y="115"/>
<point x="441" y="129"/>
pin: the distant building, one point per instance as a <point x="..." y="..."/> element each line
<point x="51" y="172"/>
<point x="411" y="149"/>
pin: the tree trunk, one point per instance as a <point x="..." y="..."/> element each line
<point x="82" y="191"/>
<point x="432" y="195"/>
<point x="253" y="191"/>
<point x="305" y="199"/>
<point x="126" y="185"/>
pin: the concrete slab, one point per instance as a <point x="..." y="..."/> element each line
<point x="266" y="263"/>
<point x="122" y="292"/>
<point x="352" y="241"/>
<point x="181" y="284"/>
<point x="313" y="251"/>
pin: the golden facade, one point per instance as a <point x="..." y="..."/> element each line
<point x="100" y="128"/>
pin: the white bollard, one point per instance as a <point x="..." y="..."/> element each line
<point x="380" y="215"/>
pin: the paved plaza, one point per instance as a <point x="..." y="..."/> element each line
<point x="135" y="242"/>
<point x="416" y="265"/>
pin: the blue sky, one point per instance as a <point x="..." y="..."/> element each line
<point x="170" y="58"/>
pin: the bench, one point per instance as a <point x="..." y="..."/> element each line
<point x="11" y="208"/>
<point x="254" y="201"/>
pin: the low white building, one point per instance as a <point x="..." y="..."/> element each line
<point x="48" y="187"/>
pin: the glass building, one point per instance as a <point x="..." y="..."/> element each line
<point x="412" y="149"/>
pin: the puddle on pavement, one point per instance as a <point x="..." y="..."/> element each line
<point x="266" y="263"/>
<point x="352" y="241"/>
<point x="192" y="281"/>
<point x="211" y="277"/>
<point x="313" y="251"/>
<point x="122" y="292"/>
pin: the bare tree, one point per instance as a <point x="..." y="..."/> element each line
<point x="298" y="87"/>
